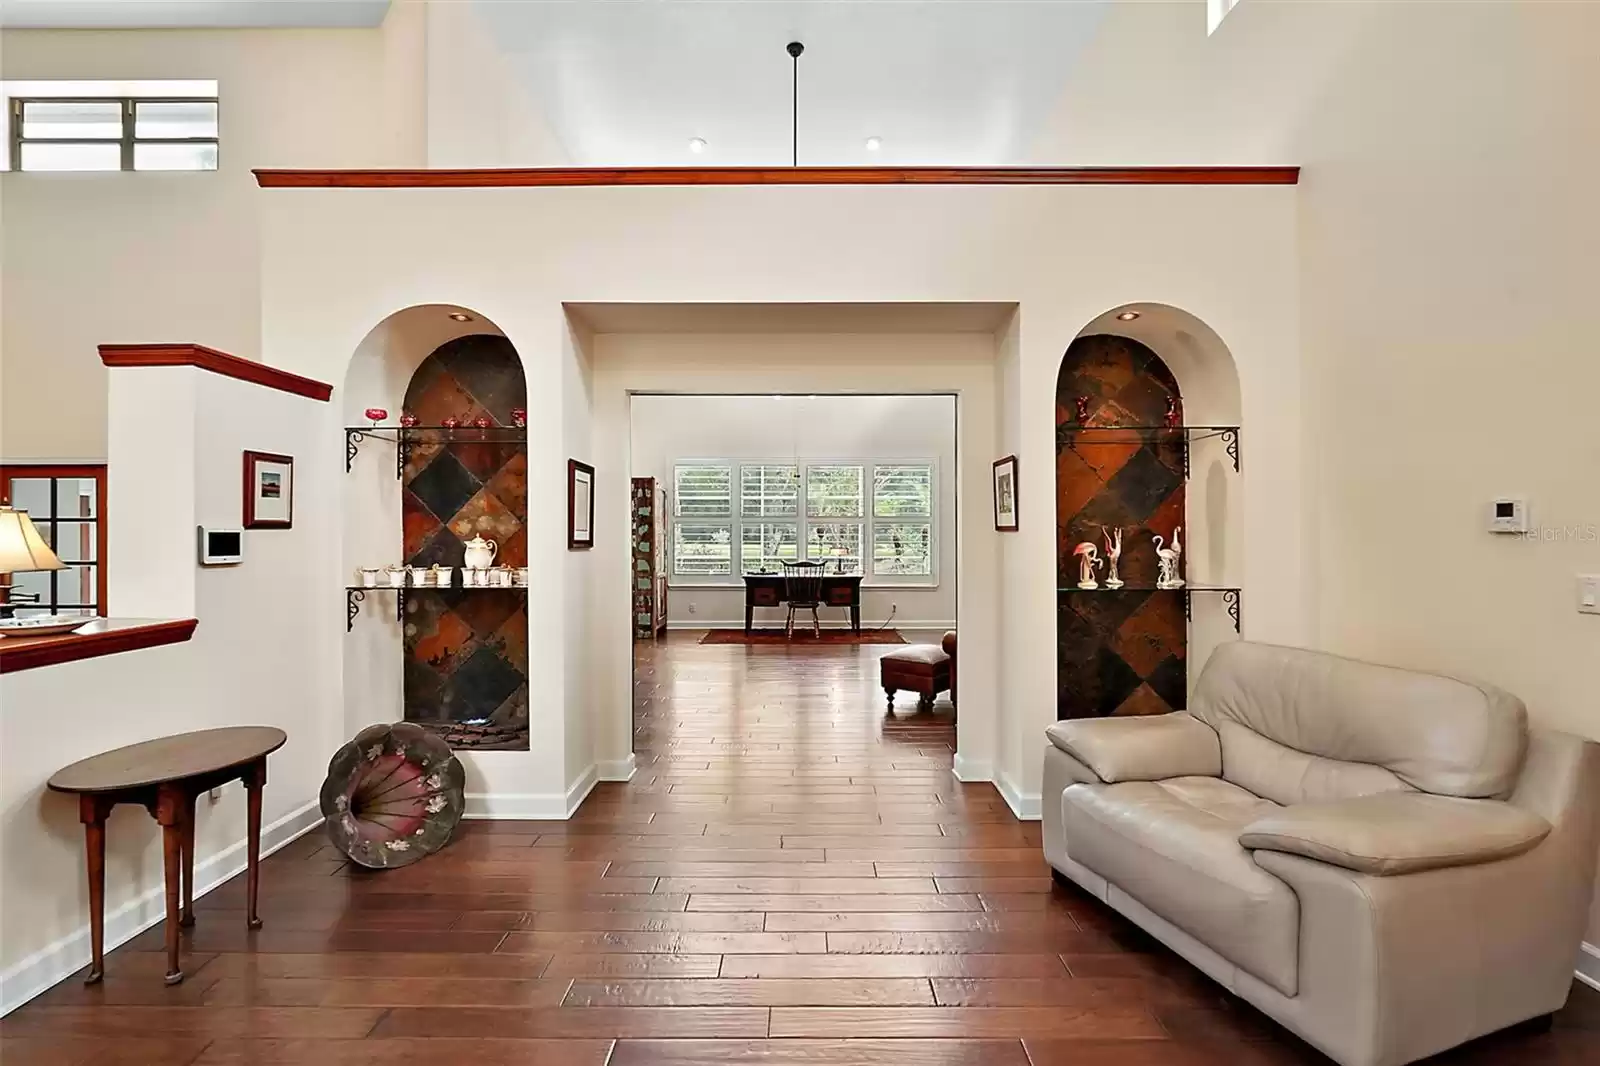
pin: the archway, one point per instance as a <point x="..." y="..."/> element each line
<point x="1147" y="405"/>
<point x="414" y="495"/>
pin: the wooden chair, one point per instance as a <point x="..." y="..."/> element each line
<point x="802" y="588"/>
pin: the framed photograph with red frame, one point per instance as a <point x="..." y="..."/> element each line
<point x="268" y="491"/>
<point x="580" y="506"/>
<point x="1005" y="494"/>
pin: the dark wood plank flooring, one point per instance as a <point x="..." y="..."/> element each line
<point x="791" y="878"/>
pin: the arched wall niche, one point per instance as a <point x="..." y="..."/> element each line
<point x="455" y="659"/>
<point x="1131" y="650"/>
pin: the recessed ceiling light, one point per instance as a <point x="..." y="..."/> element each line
<point x="1128" y="316"/>
<point x="460" y="316"/>
<point x="697" y="145"/>
<point x="874" y="143"/>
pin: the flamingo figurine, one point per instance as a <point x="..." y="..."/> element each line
<point x="1168" y="559"/>
<point x="1088" y="561"/>
<point x="1113" y="553"/>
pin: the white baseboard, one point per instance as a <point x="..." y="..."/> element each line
<point x="579" y="790"/>
<point x="618" y="769"/>
<point x="1589" y="966"/>
<point x="532" y="806"/>
<point x="966" y="769"/>
<point x="54" y="963"/>
<point x="1025" y="805"/>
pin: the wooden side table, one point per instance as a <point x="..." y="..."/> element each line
<point x="166" y="776"/>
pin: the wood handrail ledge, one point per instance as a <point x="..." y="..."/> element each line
<point x="569" y="176"/>
<point x="103" y="636"/>
<point x="198" y="355"/>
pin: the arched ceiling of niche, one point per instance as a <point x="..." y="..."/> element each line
<point x="1200" y="360"/>
<point x="384" y="361"/>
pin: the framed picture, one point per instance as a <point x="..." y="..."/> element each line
<point x="268" y="491"/>
<point x="1005" y="494"/>
<point x="580" y="505"/>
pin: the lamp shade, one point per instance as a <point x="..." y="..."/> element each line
<point x="21" y="547"/>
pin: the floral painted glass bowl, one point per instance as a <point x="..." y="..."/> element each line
<point x="393" y="795"/>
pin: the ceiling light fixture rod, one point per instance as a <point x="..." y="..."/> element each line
<point x="794" y="49"/>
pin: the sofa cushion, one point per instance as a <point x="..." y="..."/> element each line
<point x="1433" y="733"/>
<point x="1399" y="834"/>
<point x="1174" y="846"/>
<point x="1140" y="747"/>
<point x="1261" y="765"/>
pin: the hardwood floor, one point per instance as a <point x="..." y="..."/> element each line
<point x="791" y="878"/>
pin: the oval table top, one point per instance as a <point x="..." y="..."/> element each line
<point x="165" y="759"/>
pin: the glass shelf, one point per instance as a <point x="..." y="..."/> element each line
<point x="407" y="437"/>
<point x="355" y="594"/>
<point x="1232" y="597"/>
<point x="1069" y="433"/>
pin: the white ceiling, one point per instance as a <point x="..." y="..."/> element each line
<point x="188" y="14"/>
<point x="940" y="81"/>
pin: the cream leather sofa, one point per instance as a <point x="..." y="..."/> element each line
<point x="1388" y="863"/>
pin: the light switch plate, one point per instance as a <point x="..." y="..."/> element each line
<point x="1589" y="593"/>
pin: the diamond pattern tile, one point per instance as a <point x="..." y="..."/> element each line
<point x="1118" y="651"/>
<point x="466" y="669"/>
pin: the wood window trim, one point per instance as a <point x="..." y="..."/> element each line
<point x="548" y="176"/>
<point x="217" y="362"/>
<point x="97" y="471"/>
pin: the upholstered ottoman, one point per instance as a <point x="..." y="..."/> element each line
<point x="920" y="668"/>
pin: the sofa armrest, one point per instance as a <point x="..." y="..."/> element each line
<point x="1141" y="748"/>
<point x="1398" y="832"/>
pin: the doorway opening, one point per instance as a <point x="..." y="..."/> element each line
<point x="782" y="544"/>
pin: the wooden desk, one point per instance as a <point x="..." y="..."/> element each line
<point x="165" y="777"/>
<point x="838" y="590"/>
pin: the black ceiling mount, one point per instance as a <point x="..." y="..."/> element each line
<point x="795" y="48"/>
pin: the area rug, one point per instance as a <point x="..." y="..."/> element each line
<point x="776" y="636"/>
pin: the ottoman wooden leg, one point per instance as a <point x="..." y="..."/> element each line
<point x="890" y="690"/>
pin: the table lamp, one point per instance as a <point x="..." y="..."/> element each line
<point x="23" y="550"/>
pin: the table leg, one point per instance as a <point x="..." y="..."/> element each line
<point x="188" y="861"/>
<point x="855" y="618"/>
<point x="749" y="616"/>
<point x="93" y="815"/>
<point x="169" y="813"/>
<point x="254" y="779"/>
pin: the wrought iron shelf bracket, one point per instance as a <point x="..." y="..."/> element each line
<point x="355" y="595"/>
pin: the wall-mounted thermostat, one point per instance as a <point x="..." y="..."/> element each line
<point x="1508" y="514"/>
<point x="221" y="547"/>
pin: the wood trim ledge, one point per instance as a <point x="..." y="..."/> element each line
<point x="198" y="355"/>
<point x="558" y="176"/>
<point x="105" y="636"/>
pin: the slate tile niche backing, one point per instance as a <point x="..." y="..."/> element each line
<point x="466" y="651"/>
<point x="1118" y="651"/>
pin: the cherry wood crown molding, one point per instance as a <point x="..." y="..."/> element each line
<point x="104" y="636"/>
<point x="198" y="355"/>
<point x="556" y="176"/>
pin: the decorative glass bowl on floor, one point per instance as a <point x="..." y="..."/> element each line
<point x="393" y="795"/>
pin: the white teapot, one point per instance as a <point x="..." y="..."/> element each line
<point x="480" y="553"/>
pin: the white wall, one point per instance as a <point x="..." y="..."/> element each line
<point x="137" y="257"/>
<point x="253" y="660"/>
<point x="1447" y="251"/>
<point x="669" y="429"/>
<point x="1450" y="245"/>
<point x="1063" y="255"/>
